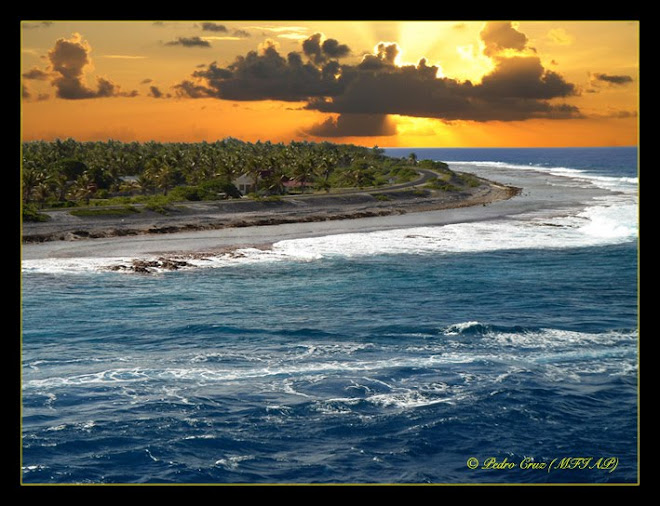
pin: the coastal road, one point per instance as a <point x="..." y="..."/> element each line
<point x="425" y="176"/>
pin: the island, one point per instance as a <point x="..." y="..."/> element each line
<point x="88" y="190"/>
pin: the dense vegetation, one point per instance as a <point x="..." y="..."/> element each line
<point x="68" y="173"/>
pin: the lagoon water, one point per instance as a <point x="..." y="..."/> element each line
<point x="393" y="355"/>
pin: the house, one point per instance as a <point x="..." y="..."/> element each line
<point x="244" y="183"/>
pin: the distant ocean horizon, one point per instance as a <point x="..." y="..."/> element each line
<point x="494" y="350"/>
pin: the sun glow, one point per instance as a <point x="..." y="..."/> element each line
<point x="125" y="87"/>
<point x="452" y="47"/>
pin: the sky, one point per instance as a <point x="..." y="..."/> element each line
<point x="386" y="83"/>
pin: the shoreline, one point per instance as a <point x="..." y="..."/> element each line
<point x="219" y="215"/>
<point x="227" y="226"/>
<point x="216" y="234"/>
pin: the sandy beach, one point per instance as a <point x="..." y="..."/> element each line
<point x="198" y="227"/>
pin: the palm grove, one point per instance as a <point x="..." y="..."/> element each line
<point x="68" y="173"/>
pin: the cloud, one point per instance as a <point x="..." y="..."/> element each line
<point x="123" y="56"/>
<point x="292" y="36"/>
<point x="68" y="60"/>
<point x="624" y="114"/>
<point x="354" y="125"/>
<point x="218" y="28"/>
<point x="214" y="27"/>
<point x="189" y="42"/>
<point x="31" y="25"/>
<point x="524" y="77"/>
<point x="501" y="35"/>
<point x="561" y="37"/>
<point x="613" y="79"/>
<point x="28" y="96"/>
<point x="146" y="81"/>
<point x="155" y="92"/>
<point x="518" y="87"/>
<point x="189" y="89"/>
<point x="36" y="74"/>
<point x="385" y="56"/>
<point x="263" y="75"/>
<point x="320" y="52"/>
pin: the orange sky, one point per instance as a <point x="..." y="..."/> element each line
<point x="408" y="84"/>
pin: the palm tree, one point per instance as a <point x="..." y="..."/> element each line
<point x="360" y="174"/>
<point x="30" y="180"/>
<point x="164" y="178"/>
<point x="42" y="192"/>
<point x="303" y="170"/>
<point x="326" y="168"/>
<point x="145" y="183"/>
<point x="59" y="185"/>
<point x="83" y="188"/>
<point x="254" y="165"/>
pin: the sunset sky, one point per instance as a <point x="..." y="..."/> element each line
<point x="385" y="83"/>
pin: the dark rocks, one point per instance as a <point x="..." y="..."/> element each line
<point x="151" y="266"/>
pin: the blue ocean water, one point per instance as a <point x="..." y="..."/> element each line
<point x="391" y="357"/>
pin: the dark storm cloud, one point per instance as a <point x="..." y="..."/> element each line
<point x="264" y="75"/>
<point x="354" y="125"/>
<point x="241" y="33"/>
<point x="68" y="59"/>
<point x="214" y="27"/>
<point x="518" y="88"/>
<point x="189" y="42"/>
<point x="155" y="92"/>
<point x="320" y="52"/>
<point x="36" y="74"/>
<point x="524" y="77"/>
<point x="312" y="47"/>
<point x="333" y="49"/>
<point x="384" y="57"/>
<point x="500" y="35"/>
<point x="613" y="79"/>
<point x="189" y="89"/>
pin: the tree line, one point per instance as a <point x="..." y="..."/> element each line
<point x="67" y="172"/>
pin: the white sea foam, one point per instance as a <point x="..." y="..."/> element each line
<point x="71" y="265"/>
<point x="605" y="220"/>
<point x="623" y="183"/>
<point x="233" y="461"/>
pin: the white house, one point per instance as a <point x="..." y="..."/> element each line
<point x="244" y="183"/>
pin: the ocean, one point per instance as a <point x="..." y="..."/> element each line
<point x="490" y="348"/>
